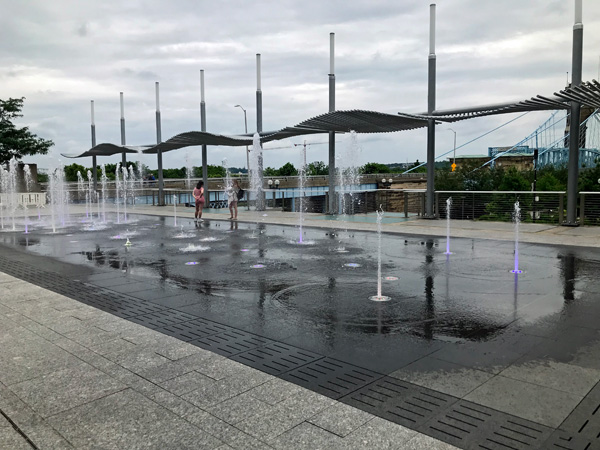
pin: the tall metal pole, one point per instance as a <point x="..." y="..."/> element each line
<point x="573" y="167"/>
<point x="247" y="150"/>
<point x="203" y="128"/>
<point x="94" y="163"/>
<point x="161" y="184"/>
<point x="124" y="157"/>
<point x="260" y="195"/>
<point x="430" y="196"/>
<point x="332" y="206"/>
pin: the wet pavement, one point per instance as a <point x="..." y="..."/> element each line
<point x="459" y="328"/>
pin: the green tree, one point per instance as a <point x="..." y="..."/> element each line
<point x="112" y="168"/>
<point x="317" y="168"/>
<point x="71" y="172"/>
<point x="287" y="170"/>
<point x="589" y="179"/>
<point x="17" y="142"/>
<point x="373" y="167"/>
<point x="513" y="180"/>
<point x="422" y="169"/>
<point x="270" y="172"/>
<point x="212" y="171"/>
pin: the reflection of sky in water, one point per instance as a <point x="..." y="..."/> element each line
<point x="194" y="248"/>
<point x="258" y="266"/>
<point x="191" y="263"/>
<point x="352" y="265"/>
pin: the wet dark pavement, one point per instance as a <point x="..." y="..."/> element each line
<point x="461" y="325"/>
<point x="307" y="295"/>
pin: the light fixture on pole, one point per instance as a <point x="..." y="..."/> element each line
<point x="270" y="183"/>
<point x="454" y="157"/>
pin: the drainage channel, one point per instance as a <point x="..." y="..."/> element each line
<point x="18" y="430"/>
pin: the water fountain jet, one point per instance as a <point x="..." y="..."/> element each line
<point x="517" y="219"/>
<point x="448" y="208"/>
<point x="379" y="297"/>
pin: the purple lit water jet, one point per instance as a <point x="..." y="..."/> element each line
<point x="517" y="219"/>
<point x="448" y="208"/>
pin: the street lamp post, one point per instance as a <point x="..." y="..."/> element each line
<point x="454" y="157"/>
<point x="247" y="151"/>
<point x="270" y="183"/>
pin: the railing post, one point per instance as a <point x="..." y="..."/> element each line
<point x="473" y="203"/>
<point x="582" y="209"/>
<point x="405" y="205"/>
<point x="436" y="211"/>
<point x="561" y="207"/>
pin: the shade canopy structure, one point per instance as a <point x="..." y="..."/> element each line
<point x="337" y="121"/>
<point x="361" y="121"/>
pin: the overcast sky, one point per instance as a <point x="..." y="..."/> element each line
<point x="61" y="54"/>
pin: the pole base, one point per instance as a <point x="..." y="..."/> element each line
<point x="570" y="224"/>
<point x="433" y="217"/>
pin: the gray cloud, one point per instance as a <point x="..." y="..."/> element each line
<point x="62" y="54"/>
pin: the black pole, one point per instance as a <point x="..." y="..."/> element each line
<point x="573" y="166"/>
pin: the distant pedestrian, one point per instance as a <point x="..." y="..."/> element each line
<point x="199" y="196"/>
<point x="232" y="199"/>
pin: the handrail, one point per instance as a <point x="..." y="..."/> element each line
<point x="502" y="192"/>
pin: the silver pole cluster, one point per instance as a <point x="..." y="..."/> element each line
<point x="332" y="206"/>
<point x="573" y="165"/>
<point x="94" y="162"/>
<point x="161" y="184"/>
<point x="430" y="196"/>
<point x="124" y="157"/>
<point x="203" y="128"/>
<point x="260" y="195"/>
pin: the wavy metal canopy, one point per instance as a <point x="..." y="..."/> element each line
<point x="588" y="93"/>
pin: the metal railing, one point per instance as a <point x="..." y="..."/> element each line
<point x="589" y="208"/>
<point x="539" y="207"/>
<point x="536" y="207"/>
<point x="25" y="199"/>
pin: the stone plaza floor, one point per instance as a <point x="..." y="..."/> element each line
<point x="77" y="373"/>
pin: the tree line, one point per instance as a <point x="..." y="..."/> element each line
<point x="467" y="177"/>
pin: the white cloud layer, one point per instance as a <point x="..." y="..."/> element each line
<point x="64" y="53"/>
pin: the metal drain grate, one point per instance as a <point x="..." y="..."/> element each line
<point x="276" y="358"/>
<point x="230" y="342"/>
<point x="162" y="318"/>
<point x="581" y="430"/>
<point x="194" y="329"/>
<point x="400" y="402"/>
<point x="331" y="377"/>
<point x="468" y="425"/>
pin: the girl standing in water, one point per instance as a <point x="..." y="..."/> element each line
<point x="199" y="196"/>
<point x="232" y="198"/>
